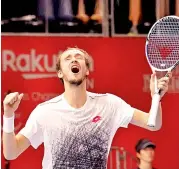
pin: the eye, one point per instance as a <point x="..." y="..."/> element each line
<point x="68" y="58"/>
<point x="79" y="57"/>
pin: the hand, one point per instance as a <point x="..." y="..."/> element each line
<point x="11" y="103"/>
<point x="161" y="84"/>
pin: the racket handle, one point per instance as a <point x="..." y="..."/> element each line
<point x="154" y="110"/>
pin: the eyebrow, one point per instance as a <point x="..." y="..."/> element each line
<point x="77" y="54"/>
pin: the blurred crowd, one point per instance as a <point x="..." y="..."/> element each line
<point x="84" y="16"/>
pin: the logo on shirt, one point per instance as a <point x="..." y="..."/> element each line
<point x="96" y="119"/>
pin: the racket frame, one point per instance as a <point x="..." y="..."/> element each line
<point x="147" y="41"/>
<point x="156" y="97"/>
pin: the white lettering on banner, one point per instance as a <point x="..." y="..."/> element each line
<point x="33" y="65"/>
<point x="173" y="84"/>
<point x="33" y="62"/>
<point x="37" y="96"/>
<point x="19" y="60"/>
<point x="8" y="62"/>
<point x="26" y="96"/>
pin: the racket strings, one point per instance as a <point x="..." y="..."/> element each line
<point x="163" y="44"/>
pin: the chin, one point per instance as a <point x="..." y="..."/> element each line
<point x="76" y="82"/>
<point x="150" y="160"/>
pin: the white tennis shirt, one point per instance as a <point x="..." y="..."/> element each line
<point x="77" y="138"/>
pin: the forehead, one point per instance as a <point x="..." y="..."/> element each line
<point x="72" y="52"/>
<point x="148" y="148"/>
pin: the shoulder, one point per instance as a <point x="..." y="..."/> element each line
<point x="96" y="95"/>
<point x="51" y="101"/>
<point x="105" y="96"/>
<point x="45" y="106"/>
<point x="100" y="95"/>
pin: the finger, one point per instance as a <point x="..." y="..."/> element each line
<point x="153" y="71"/>
<point x="162" y="83"/>
<point x="20" y="96"/>
<point x="11" y="102"/>
<point x="8" y="100"/>
<point x="11" y="97"/>
<point x="164" y="79"/>
<point x="15" y="94"/>
<point x="163" y="87"/>
<point x="169" y="74"/>
<point x="15" y="99"/>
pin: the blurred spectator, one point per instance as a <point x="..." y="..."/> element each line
<point x="90" y="13"/>
<point x="166" y="7"/>
<point x="177" y="7"/>
<point x="162" y="8"/>
<point x="52" y="16"/>
<point x="84" y="16"/>
<point x="138" y="16"/>
<point x="142" y="15"/>
<point x="96" y="14"/>
<point x="134" y="14"/>
<point x="82" y="12"/>
<point x="145" y="152"/>
<point x="55" y="9"/>
<point x="70" y="15"/>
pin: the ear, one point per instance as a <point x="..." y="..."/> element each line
<point x="60" y="74"/>
<point x="87" y="72"/>
<point x="138" y="155"/>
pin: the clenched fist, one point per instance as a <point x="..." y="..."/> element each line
<point x="11" y="103"/>
<point x="162" y="83"/>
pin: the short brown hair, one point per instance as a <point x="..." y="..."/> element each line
<point x="87" y="58"/>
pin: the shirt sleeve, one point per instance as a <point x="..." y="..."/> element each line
<point x="123" y="112"/>
<point x="32" y="130"/>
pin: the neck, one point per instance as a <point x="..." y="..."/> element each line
<point x="145" y="165"/>
<point x="76" y="96"/>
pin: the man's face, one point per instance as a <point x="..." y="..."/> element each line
<point x="146" y="154"/>
<point x="73" y="67"/>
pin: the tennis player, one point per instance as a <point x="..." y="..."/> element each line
<point x="76" y="127"/>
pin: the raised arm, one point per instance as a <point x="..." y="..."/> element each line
<point x="140" y="118"/>
<point x="13" y="145"/>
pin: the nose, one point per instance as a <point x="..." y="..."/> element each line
<point x="74" y="61"/>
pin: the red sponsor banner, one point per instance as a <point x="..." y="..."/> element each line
<point x="119" y="67"/>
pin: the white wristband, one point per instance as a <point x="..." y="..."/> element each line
<point x="8" y="124"/>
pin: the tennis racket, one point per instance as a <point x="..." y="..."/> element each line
<point x="162" y="53"/>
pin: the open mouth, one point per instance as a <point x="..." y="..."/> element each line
<point x="75" y="69"/>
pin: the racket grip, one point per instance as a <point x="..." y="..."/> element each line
<point x="154" y="110"/>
